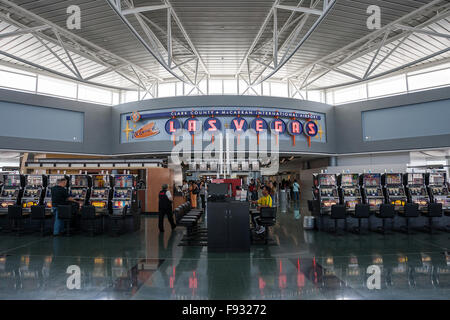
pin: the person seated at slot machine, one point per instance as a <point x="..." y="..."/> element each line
<point x="165" y="208"/>
<point x="264" y="202"/>
<point x="60" y="197"/>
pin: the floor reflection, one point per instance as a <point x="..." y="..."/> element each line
<point x="304" y="265"/>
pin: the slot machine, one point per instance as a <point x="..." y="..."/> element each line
<point x="349" y="190"/>
<point x="372" y="192"/>
<point x="101" y="190"/>
<point x="12" y="191"/>
<point x="394" y="190"/>
<point x="416" y="190"/>
<point x="326" y="192"/>
<point x="438" y="189"/>
<point x="52" y="181"/>
<point x="34" y="191"/>
<point x="79" y="188"/>
<point x="124" y="194"/>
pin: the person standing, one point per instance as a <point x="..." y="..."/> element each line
<point x="296" y="190"/>
<point x="193" y="191"/>
<point x="60" y="197"/>
<point x="202" y="193"/>
<point x="165" y="208"/>
<point x="274" y="193"/>
<point x="185" y="190"/>
<point x="252" y="190"/>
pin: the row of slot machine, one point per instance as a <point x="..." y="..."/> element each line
<point x="108" y="194"/>
<point x="375" y="189"/>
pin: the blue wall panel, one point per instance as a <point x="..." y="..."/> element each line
<point x="33" y="122"/>
<point x="417" y="120"/>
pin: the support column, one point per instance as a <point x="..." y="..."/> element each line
<point x="333" y="161"/>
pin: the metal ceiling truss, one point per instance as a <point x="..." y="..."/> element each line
<point x="265" y="57"/>
<point x="61" y="43"/>
<point x="185" y="70"/>
<point x="378" y="46"/>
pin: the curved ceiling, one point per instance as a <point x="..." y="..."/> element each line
<point x="319" y="44"/>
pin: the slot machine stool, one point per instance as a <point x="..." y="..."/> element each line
<point x="387" y="211"/>
<point x="411" y="211"/>
<point x="434" y="211"/>
<point x="117" y="222"/>
<point x="362" y="211"/>
<point x="38" y="213"/>
<point x="65" y="214"/>
<point x="91" y="219"/>
<point x="338" y="212"/>
<point x="16" y="218"/>
<point x="447" y="215"/>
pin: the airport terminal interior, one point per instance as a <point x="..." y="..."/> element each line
<point x="224" y="150"/>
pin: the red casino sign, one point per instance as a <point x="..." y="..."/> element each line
<point x="259" y="125"/>
<point x="193" y="125"/>
<point x="295" y="128"/>
<point x="278" y="126"/>
<point x="311" y="129"/>
<point x="172" y="126"/>
<point x="239" y="124"/>
<point x="212" y="125"/>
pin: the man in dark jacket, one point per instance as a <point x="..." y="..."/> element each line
<point x="60" y="197"/>
<point x="165" y="208"/>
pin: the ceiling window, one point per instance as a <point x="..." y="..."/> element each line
<point x="94" y="94"/>
<point x="57" y="87"/>
<point x="387" y="86"/>
<point x="17" y="81"/>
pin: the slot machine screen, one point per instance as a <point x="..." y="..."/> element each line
<point x="9" y="192"/>
<point x="29" y="204"/>
<point x="99" y="193"/>
<point x="375" y="202"/>
<point x="393" y="178"/>
<point x="327" y="180"/>
<point x="31" y="193"/>
<point x="12" y="181"/>
<point x="420" y="202"/>
<point x="48" y="204"/>
<point x="100" y="181"/>
<point x="329" y="203"/>
<point x="79" y="181"/>
<point x="99" y="204"/>
<point x="415" y="179"/>
<point x="122" y="193"/>
<point x="120" y="204"/>
<point x="349" y="179"/>
<point x="6" y="204"/>
<point x="372" y="179"/>
<point x="398" y="202"/>
<point x="34" y="181"/>
<point x="77" y="193"/>
<point x="351" y="204"/>
<point x="53" y="180"/>
<point x="125" y="181"/>
<point x="436" y="178"/>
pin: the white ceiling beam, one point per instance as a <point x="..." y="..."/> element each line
<point x="144" y="9"/>
<point x="374" y="35"/>
<point x="300" y="9"/>
<point x="23" y="31"/>
<point x="186" y="36"/>
<point x="427" y="32"/>
<point x="258" y="36"/>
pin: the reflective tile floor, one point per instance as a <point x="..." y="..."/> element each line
<point x="303" y="265"/>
